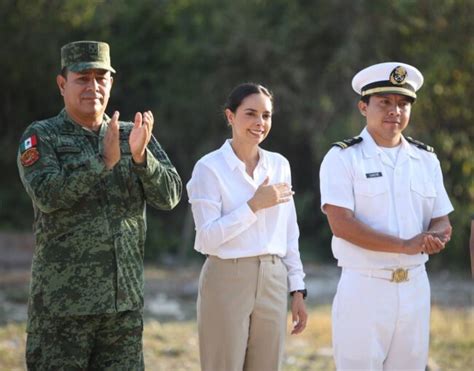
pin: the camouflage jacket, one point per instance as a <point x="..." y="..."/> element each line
<point x="89" y="222"/>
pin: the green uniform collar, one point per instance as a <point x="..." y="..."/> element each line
<point x="72" y="127"/>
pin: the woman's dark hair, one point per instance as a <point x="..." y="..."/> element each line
<point x="242" y="91"/>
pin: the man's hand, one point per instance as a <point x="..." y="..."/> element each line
<point x="140" y="136"/>
<point x="299" y="315"/>
<point x="435" y="241"/>
<point x="270" y="195"/>
<point x="414" y="245"/>
<point x="111" y="152"/>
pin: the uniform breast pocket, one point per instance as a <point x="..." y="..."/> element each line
<point x="423" y="195"/>
<point x="371" y="198"/>
<point x="127" y="181"/>
<point x="69" y="156"/>
<point x="124" y="169"/>
<point x="125" y="148"/>
<point x="423" y="189"/>
<point x="371" y="187"/>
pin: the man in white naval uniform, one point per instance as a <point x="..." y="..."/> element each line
<point x="387" y="207"/>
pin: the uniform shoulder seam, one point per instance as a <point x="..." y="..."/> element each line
<point x="346" y="143"/>
<point x="44" y="126"/>
<point x="420" y="144"/>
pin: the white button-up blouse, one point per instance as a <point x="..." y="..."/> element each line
<point x="226" y="227"/>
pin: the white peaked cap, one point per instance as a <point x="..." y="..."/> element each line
<point x="386" y="78"/>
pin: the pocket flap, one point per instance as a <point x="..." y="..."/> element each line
<point x="424" y="189"/>
<point x="370" y="187"/>
<point x="68" y="149"/>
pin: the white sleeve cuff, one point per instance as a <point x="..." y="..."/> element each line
<point x="295" y="282"/>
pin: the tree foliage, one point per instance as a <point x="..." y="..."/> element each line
<point x="180" y="59"/>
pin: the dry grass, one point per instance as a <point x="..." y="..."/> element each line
<point x="12" y="347"/>
<point x="174" y="345"/>
<point x="171" y="346"/>
<point x="452" y="338"/>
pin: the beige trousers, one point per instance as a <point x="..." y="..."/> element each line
<point x="241" y="310"/>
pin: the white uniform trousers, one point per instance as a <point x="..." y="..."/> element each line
<point x="381" y="325"/>
<point x="241" y="313"/>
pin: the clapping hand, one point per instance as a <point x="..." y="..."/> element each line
<point x="111" y="151"/>
<point x="140" y="136"/>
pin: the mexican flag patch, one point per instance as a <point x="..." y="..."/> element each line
<point x="29" y="142"/>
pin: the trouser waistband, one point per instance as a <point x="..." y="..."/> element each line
<point x="267" y="257"/>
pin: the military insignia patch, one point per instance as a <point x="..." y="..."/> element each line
<point x="28" y="143"/>
<point x="398" y="75"/>
<point x="347" y="142"/>
<point x="29" y="157"/>
<point x="93" y="49"/>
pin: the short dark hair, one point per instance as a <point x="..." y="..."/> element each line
<point x="242" y="91"/>
<point x="366" y="99"/>
<point x="63" y="72"/>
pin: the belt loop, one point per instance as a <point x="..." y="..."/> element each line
<point x="235" y="260"/>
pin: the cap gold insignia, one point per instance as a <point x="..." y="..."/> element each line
<point x="93" y="49"/>
<point x="398" y="75"/>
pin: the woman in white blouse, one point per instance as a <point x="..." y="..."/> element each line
<point x="245" y="219"/>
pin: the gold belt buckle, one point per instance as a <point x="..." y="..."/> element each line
<point x="399" y="275"/>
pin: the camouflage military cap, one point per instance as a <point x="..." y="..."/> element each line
<point x="84" y="55"/>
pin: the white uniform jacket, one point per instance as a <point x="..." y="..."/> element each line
<point x="397" y="200"/>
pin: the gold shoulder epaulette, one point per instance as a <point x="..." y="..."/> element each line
<point x="420" y="145"/>
<point x="346" y="143"/>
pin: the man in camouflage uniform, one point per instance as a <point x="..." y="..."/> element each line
<point x="89" y="177"/>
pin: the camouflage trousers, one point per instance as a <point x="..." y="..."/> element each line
<point x="92" y="342"/>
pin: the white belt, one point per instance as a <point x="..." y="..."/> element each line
<point x="396" y="275"/>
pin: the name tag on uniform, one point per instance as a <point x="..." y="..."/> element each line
<point x="373" y="175"/>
